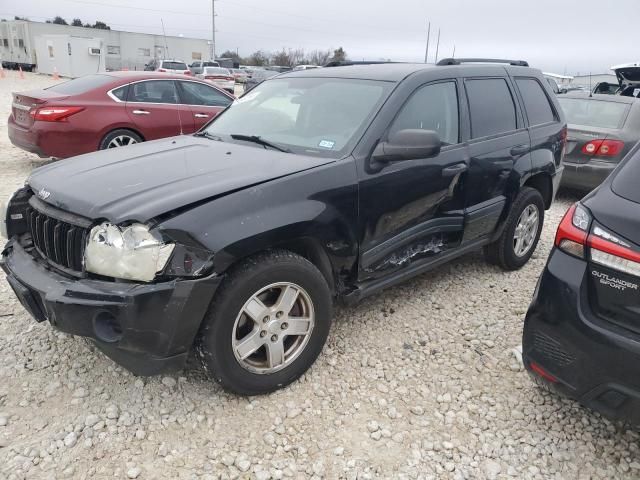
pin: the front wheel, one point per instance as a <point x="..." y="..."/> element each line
<point x="521" y="233"/>
<point x="267" y="324"/>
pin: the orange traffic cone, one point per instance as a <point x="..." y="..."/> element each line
<point x="21" y="74"/>
<point x="55" y="74"/>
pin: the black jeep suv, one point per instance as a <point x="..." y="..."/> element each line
<point x="316" y="185"/>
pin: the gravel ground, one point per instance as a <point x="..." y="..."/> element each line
<point x="418" y="382"/>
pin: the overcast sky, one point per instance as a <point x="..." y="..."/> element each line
<point x="555" y="35"/>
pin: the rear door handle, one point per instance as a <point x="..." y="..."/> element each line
<point x="200" y="115"/>
<point x="454" y="170"/>
<point x="140" y="112"/>
<point x="519" y="150"/>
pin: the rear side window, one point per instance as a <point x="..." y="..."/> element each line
<point x="491" y="107"/>
<point x="194" y="93"/>
<point x="594" y="113"/>
<point x="432" y="107"/>
<point x="627" y="179"/>
<point x="536" y="102"/>
<point x="154" y="91"/>
<point x="81" y="85"/>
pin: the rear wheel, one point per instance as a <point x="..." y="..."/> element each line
<point x="267" y="324"/>
<point x="521" y="232"/>
<point x="119" y="138"/>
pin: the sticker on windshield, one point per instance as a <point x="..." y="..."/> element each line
<point x="247" y="98"/>
<point x="326" y="144"/>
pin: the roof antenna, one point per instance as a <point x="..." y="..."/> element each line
<point x="164" y="34"/>
<point x="175" y="96"/>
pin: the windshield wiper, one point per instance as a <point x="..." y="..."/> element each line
<point x="208" y="135"/>
<point x="259" y="141"/>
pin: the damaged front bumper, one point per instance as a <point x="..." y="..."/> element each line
<point x="147" y="328"/>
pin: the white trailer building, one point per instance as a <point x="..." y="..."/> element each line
<point x="123" y="50"/>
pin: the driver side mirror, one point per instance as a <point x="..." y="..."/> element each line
<point x="408" y="144"/>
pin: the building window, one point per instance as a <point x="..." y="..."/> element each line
<point x="5" y="42"/>
<point x="196" y="56"/>
<point x="144" y="52"/>
<point x="50" y="48"/>
<point x="21" y="43"/>
<point x="113" y="50"/>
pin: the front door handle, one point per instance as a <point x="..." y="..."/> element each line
<point x="454" y="170"/>
<point x="140" y="112"/>
<point x="519" y="150"/>
<point x="200" y="115"/>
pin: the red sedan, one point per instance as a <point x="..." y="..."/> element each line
<point x="108" y="110"/>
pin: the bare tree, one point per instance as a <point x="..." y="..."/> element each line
<point x="258" y="58"/>
<point x="318" y="57"/>
<point x="339" y="55"/>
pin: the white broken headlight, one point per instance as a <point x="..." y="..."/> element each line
<point x="131" y="253"/>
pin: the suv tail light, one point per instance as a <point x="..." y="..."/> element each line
<point x="603" y="148"/>
<point x="571" y="236"/>
<point x="54" y="114"/>
<point x="187" y="72"/>
<point x="605" y="248"/>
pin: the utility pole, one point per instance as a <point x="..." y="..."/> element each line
<point x="213" y="30"/>
<point x="454" y="52"/>
<point x="437" y="46"/>
<point x="426" y="53"/>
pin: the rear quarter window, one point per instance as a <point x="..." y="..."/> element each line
<point x="536" y="103"/>
<point x="627" y="179"/>
<point x="81" y="85"/>
<point x="491" y="107"/>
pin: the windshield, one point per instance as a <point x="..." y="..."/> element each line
<point x="321" y="116"/>
<point x="174" y="65"/>
<point x="594" y="113"/>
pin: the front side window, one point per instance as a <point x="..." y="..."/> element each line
<point x="432" y="107"/>
<point x="193" y="93"/>
<point x="536" y="102"/>
<point x="316" y="116"/>
<point x="154" y="91"/>
<point x="491" y="107"/>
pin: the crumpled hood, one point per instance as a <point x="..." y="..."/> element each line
<point x="142" y="181"/>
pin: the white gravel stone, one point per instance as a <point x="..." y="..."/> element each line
<point x="4" y="420"/>
<point x="169" y="382"/>
<point x="70" y="439"/>
<point x="133" y="472"/>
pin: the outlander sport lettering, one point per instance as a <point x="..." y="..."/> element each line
<point x="320" y="185"/>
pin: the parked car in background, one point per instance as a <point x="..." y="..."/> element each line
<point x="628" y="81"/>
<point x="318" y="185"/>
<point x="304" y="67"/>
<point x="108" y="110"/>
<point x="168" y="66"/>
<point x="602" y="129"/>
<point x="240" y="76"/>
<point x="220" y="77"/>
<point x="582" y="331"/>
<point x="259" y="76"/>
<point x="197" y="66"/>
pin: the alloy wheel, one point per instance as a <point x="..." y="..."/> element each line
<point x="273" y="328"/>
<point x="526" y="230"/>
<point x="121" y="141"/>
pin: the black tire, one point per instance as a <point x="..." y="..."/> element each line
<point x="502" y="251"/>
<point x="214" y="344"/>
<point x="120" y="132"/>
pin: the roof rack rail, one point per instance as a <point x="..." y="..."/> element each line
<point x="458" y="61"/>
<point x="346" y="63"/>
